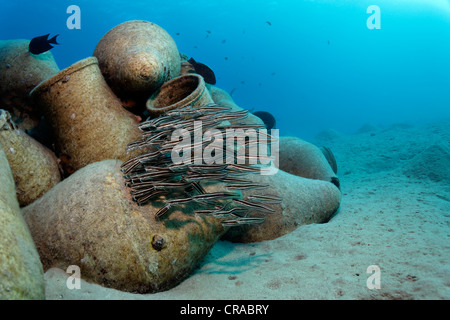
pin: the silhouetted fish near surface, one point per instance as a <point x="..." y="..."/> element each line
<point x="204" y="71"/>
<point x="268" y="119"/>
<point x="41" y="44"/>
<point x="269" y="23"/>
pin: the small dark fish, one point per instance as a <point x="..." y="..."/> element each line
<point x="268" y="119"/>
<point x="235" y="180"/>
<point x="128" y="166"/>
<point x="269" y="23"/>
<point x="251" y="220"/>
<point x="224" y="41"/>
<point x="177" y="33"/>
<point x="254" y="206"/>
<point x="214" y="108"/>
<point x="173" y="124"/>
<point x="141" y="185"/>
<point x="156" y="169"/>
<point x="141" y="157"/>
<point x="41" y="44"/>
<point x="138" y="193"/>
<point x="264" y="198"/>
<point x="215" y="195"/>
<point x="241" y="221"/>
<point x="244" y="186"/>
<point x="151" y="176"/>
<point x="208" y="31"/>
<point x="148" y="141"/>
<point x="143" y="200"/>
<point x="131" y="164"/>
<point x="233" y="115"/>
<point x="162" y="211"/>
<point x="243" y="127"/>
<point x="204" y="71"/>
<point x="204" y="176"/>
<point x="205" y="211"/>
<point x="173" y="185"/>
<point x="178" y="168"/>
<point x="241" y="168"/>
<point x="152" y="124"/>
<point x="230" y="223"/>
<point x="236" y="211"/>
<point x="198" y="188"/>
<point x="181" y="200"/>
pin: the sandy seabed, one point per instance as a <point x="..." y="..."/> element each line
<point x="395" y="214"/>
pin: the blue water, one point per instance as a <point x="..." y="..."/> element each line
<point x="316" y="65"/>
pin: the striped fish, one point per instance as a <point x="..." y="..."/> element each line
<point x="254" y="206"/>
<point x="242" y="221"/>
<point x="265" y="198"/>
